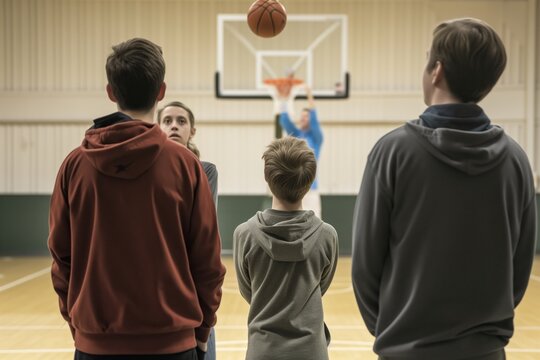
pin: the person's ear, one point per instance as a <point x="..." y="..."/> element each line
<point x="110" y="93"/>
<point x="437" y="74"/>
<point x="161" y="93"/>
<point x="192" y="132"/>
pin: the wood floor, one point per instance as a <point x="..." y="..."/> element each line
<point x="31" y="326"/>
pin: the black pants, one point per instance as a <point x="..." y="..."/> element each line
<point x="497" y="355"/>
<point x="192" y="354"/>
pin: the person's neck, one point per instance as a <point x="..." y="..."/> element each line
<point x="281" y="205"/>
<point x="146" y="116"/>
<point x="441" y="97"/>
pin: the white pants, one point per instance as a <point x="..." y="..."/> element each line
<point x="312" y="201"/>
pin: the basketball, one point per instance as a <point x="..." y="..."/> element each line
<point x="267" y="18"/>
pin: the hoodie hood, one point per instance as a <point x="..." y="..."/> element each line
<point x="124" y="150"/>
<point x="286" y="235"/>
<point x="461" y="136"/>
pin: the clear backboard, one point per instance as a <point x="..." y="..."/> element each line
<point x="314" y="47"/>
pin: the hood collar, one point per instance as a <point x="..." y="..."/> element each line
<point x="458" y="139"/>
<point x="124" y="150"/>
<point x="286" y="235"/>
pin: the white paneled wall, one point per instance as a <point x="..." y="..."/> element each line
<point x="31" y="154"/>
<point x="52" y="79"/>
<point x="61" y="45"/>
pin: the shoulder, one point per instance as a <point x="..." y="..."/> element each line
<point x="74" y="155"/>
<point x="209" y="168"/>
<point x="179" y="155"/>
<point x="241" y="230"/>
<point x="329" y="233"/>
<point x="391" y="144"/>
<point x="397" y="135"/>
<point x="328" y="239"/>
<point x="515" y="148"/>
<point x="242" y="237"/>
<point x="328" y="229"/>
<point x="173" y="147"/>
<point x="518" y="156"/>
<point x="71" y="160"/>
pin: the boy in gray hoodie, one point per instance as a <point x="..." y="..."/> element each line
<point x="285" y="259"/>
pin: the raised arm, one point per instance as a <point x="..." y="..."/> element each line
<point x="311" y="100"/>
<point x="287" y="124"/>
<point x="314" y="125"/>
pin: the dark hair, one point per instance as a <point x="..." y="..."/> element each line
<point x="190" y="145"/>
<point x="472" y="57"/>
<point x="289" y="168"/>
<point x="135" y="71"/>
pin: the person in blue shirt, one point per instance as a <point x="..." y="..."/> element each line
<point x="308" y="129"/>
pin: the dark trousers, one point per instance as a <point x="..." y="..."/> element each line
<point x="192" y="354"/>
<point x="497" y="355"/>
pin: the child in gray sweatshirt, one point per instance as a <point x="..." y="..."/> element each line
<point x="285" y="259"/>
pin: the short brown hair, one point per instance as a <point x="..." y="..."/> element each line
<point x="135" y="71"/>
<point x="472" y="55"/>
<point x="190" y="145"/>
<point x="289" y="168"/>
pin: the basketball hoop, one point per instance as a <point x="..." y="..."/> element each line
<point x="283" y="85"/>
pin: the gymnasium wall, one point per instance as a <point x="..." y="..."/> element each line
<point x="52" y="81"/>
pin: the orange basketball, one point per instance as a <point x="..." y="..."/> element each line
<point x="267" y="18"/>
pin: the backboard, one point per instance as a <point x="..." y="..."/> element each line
<point x="313" y="46"/>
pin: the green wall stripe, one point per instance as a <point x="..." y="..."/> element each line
<point x="24" y="220"/>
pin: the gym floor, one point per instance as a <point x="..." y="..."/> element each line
<point x="32" y="328"/>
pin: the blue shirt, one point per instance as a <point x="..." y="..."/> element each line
<point x="313" y="135"/>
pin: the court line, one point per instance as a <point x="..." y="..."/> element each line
<point x="34" y="351"/>
<point x="351" y="342"/>
<point x="353" y="327"/>
<point x="231" y="342"/>
<point x="25" y="279"/>
<point x="331" y="291"/>
<point x="32" y="327"/>
<point x="339" y="291"/>
<point x="235" y="349"/>
<point x="517" y="350"/>
<point x="218" y="349"/>
<point x="219" y="327"/>
<point x="340" y="342"/>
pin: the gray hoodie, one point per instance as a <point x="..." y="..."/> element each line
<point x="443" y="238"/>
<point x="284" y="263"/>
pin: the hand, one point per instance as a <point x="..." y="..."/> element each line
<point x="202" y="345"/>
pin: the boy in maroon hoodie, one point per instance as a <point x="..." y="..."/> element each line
<point x="133" y="230"/>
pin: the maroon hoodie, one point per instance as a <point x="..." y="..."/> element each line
<point x="135" y="243"/>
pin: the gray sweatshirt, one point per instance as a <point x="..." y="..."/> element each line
<point x="212" y="174"/>
<point x="443" y="239"/>
<point x="284" y="263"/>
